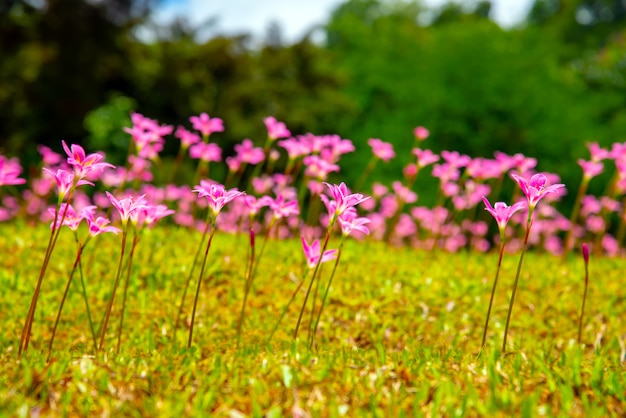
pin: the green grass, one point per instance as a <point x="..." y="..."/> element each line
<point x="400" y="335"/>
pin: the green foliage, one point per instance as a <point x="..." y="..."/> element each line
<point x="400" y="338"/>
<point x="105" y="127"/>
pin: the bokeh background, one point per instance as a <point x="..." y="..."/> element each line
<point x="542" y="81"/>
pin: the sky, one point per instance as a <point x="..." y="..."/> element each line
<point x="295" y="17"/>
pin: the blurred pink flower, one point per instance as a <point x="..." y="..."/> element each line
<point x="248" y="153"/>
<point x="204" y="124"/>
<point x="65" y="181"/>
<point x="10" y="169"/>
<point x="312" y="253"/>
<point x="381" y="150"/>
<point x="421" y="133"/>
<point x="502" y="213"/>
<point x="217" y="196"/>
<point x="275" y="129"/>
<point x="590" y="168"/>
<point x="206" y="152"/>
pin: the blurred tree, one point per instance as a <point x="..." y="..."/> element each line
<point x="58" y="61"/>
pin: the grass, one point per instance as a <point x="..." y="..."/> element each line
<point x="399" y="337"/>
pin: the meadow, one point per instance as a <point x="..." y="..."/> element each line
<point x="393" y="297"/>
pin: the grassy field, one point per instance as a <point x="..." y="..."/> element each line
<point x="400" y="336"/>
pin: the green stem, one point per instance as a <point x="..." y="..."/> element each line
<point x="519" y="269"/>
<point x="582" y="311"/>
<point x="248" y="285"/>
<point x="67" y="288"/>
<point x="195" y="301"/>
<point x="308" y="292"/>
<point x="493" y="290"/>
<point x="128" y="270"/>
<point x="282" y="315"/>
<point x="330" y="281"/>
<point x="107" y="316"/>
<point x="54" y="234"/>
<point x="84" y="292"/>
<point x="193" y="266"/>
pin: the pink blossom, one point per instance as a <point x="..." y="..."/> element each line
<point x="502" y="213"/>
<point x="590" y="168"/>
<point x="294" y="148"/>
<point x="65" y="181"/>
<point x="48" y="156"/>
<point x="424" y="157"/>
<point x="10" y="169"/>
<point x="275" y="129"/>
<point x="312" y="253"/>
<point x="84" y="164"/>
<point x="248" y="153"/>
<point x="318" y="168"/>
<point x="535" y="189"/>
<point x="206" y="152"/>
<point x="350" y="222"/>
<point x="100" y="225"/>
<point x="187" y="138"/>
<point x="206" y="125"/>
<point x="217" y="196"/>
<point x="598" y="153"/>
<point x="382" y="150"/>
<point x="455" y="159"/>
<point x="343" y="198"/>
<point x="421" y="133"/>
<point x="127" y="206"/>
<point x="283" y="208"/>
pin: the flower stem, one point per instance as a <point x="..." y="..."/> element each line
<point x="195" y="301"/>
<point x="582" y="311"/>
<point x="569" y="239"/>
<point x="67" y="288"/>
<point x="84" y="292"/>
<point x="493" y="290"/>
<point x="308" y="292"/>
<point x="193" y="266"/>
<point x="519" y="269"/>
<point x="128" y="270"/>
<point x="282" y="315"/>
<point x="105" y="324"/>
<point x="330" y="281"/>
<point x="248" y="285"/>
<point x="54" y="234"/>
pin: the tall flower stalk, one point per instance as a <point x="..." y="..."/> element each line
<point x="96" y="227"/>
<point x="248" y="285"/>
<point x="349" y="222"/>
<point x="585" y="250"/>
<point x="502" y="213"/>
<point x="534" y="189"/>
<point x="217" y="197"/>
<point x="83" y="165"/>
<point x="126" y="207"/>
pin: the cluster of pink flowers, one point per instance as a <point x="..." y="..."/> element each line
<point x="276" y="197"/>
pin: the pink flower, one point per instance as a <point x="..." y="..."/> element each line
<point x="349" y="222"/>
<point x="275" y="129"/>
<point x="421" y="133"/>
<point x="501" y="212"/>
<point x="65" y="181"/>
<point x="206" y="125"/>
<point x="254" y="205"/>
<point x="424" y="157"/>
<point x="100" y="225"/>
<point x="248" y="153"/>
<point x="283" y="208"/>
<point x="84" y="164"/>
<point x="216" y="195"/>
<point x="536" y="189"/>
<point x="294" y="148"/>
<point x="343" y="199"/>
<point x="318" y="168"/>
<point x="312" y="253"/>
<point x="187" y="138"/>
<point x="382" y="150"/>
<point x="10" y="169"/>
<point x="127" y="207"/>
<point x="48" y="156"/>
<point x="206" y="152"/>
<point x="590" y="168"/>
<point x="598" y="153"/>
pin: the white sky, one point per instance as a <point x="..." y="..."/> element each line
<point x="295" y="17"/>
